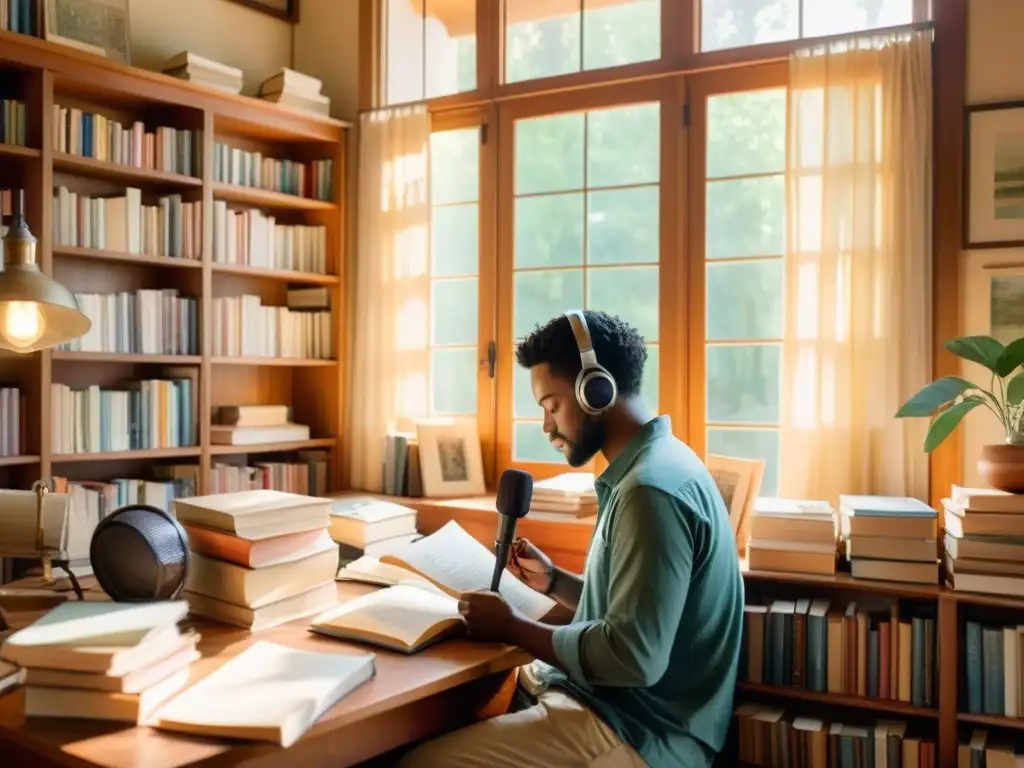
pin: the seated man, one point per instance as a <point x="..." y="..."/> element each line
<point x="644" y="672"/>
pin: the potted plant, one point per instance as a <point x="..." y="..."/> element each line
<point x="951" y="398"/>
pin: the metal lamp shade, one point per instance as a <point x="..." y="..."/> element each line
<point x="62" y="318"/>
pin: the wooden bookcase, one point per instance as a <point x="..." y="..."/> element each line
<point x="43" y="74"/>
<point x="948" y="722"/>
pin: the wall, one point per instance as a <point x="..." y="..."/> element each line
<point x="227" y="32"/>
<point x="995" y="72"/>
<point x="327" y="47"/>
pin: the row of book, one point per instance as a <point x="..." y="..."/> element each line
<point x="21" y="16"/>
<point x="146" y="321"/>
<point x="233" y="165"/>
<point x="10" y="421"/>
<point x="774" y="738"/>
<point x="89" y="134"/>
<point x="256" y="239"/>
<point x="867" y="649"/>
<point x="993" y="666"/>
<point x="122" y="223"/>
<point x="307" y="476"/>
<point x="12" y="129"/>
<point x="140" y="415"/>
<point x="243" y="325"/>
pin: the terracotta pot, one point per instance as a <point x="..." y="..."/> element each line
<point x="1002" y="467"/>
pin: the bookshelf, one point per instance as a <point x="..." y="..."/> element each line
<point x="105" y="144"/>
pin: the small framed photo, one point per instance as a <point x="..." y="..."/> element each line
<point x="739" y="482"/>
<point x="994" y="177"/>
<point x="451" y="463"/>
<point x="97" y="26"/>
<point x="288" y="10"/>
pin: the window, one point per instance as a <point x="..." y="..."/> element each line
<point x="737" y="23"/>
<point x="744" y="243"/>
<point x="544" y="38"/>
<point x="429" y="48"/>
<point x="586" y="201"/>
<point x="454" y="270"/>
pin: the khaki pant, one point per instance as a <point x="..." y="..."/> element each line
<point x="558" y="732"/>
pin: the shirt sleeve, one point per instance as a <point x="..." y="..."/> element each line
<point x="651" y="547"/>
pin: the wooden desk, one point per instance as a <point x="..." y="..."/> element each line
<point x="411" y="697"/>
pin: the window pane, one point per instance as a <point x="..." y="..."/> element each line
<point x="541" y="40"/>
<point x="430" y="49"/>
<point x="745" y="217"/>
<point x="622" y="226"/>
<point x="453" y="305"/>
<point x="743" y="383"/>
<point x="649" y="390"/>
<point x="735" y="23"/>
<point x="631" y="293"/>
<point x="524" y="405"/>
<point x="623" y="146"/>
<point x="549" y="231"/>
<point x="837" y="17"/>
<point x="542" y="295"/>
<point x="453" y="380"/>
<point x="744" y="300"/>
<point x="549" y="154"/>
<point x="455" y="240"/>
<point x="622" y="32"/>
<point x="529" y="443"/>
<point x="746" y="133"/>
<point x="455" y="166"/>
<point x="749" y="444"/>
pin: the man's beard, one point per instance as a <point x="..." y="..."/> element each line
<point x="585" y="447"/>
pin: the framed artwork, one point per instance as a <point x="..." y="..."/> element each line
<point x="994" y="159"/>
<point x="450" y="460"/>
<point x="1006" y="304"/>
<point x="739" y="482"/>
<point x="282" y="9"/>
<point x="97" y="26"/>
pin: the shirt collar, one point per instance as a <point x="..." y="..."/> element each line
<point x="659" y="426"/>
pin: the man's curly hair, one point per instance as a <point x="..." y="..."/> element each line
<point x="619" y="348"/>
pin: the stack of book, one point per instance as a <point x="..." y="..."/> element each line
<point x="199" y="69"/>
<point x="984" y="542"/>
<point x="365" y="526"/>
<point x="255" y="424"/>
<point x="891" y="538"/>
<point x="571" y="493"/>
<point x="294" y="89"/>
<point x="259" y="558"/>
<point x="793" y="537"/>
<point x="103" y="660"/>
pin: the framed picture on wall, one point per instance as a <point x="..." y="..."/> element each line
<point x="97" y="26"/>
<point x="282" y="9"/>
<point x="994" y="177"/>
<point x="450" y="458"/>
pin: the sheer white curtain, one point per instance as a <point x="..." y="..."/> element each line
<point x="390" y="345"/>
<point x="858" y="274"/>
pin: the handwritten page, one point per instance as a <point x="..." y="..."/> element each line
<point x="458" y="563"/>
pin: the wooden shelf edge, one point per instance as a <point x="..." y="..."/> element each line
<point x="77" y="252"/>
<point x="16" y="150"/>
<point x="892" y="706"/>
<point x="235" y="193"/>
<point x="154" y="453"/>
<point x="18" y="461"/>
<point x="275" y="362"/>
<point x="114" y="357"/>
<point x="996" y="721"/>
<point x="285" y="275"/>
<point x="297" y="445"/>
<point x="845" y="581"/>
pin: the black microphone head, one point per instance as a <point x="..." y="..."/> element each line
<point x="514" y="493"/>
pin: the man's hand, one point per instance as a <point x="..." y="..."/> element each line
<point x="488" y="617"/>
<point x="531" y="566"/>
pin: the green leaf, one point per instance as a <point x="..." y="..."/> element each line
<point x="925" y="402"/>
<point x="1015" y="390"/>
<point x="978" y="349"/>
<point x="947" y="421"/>
<point x="1011" y="359"/>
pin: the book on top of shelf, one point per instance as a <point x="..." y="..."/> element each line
<point x="884" y="506"/>
<point x="986" y="500"/>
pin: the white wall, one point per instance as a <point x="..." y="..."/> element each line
<point x="995" y="72"/>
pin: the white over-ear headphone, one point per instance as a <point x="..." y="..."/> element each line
<point x="595" y="387"/>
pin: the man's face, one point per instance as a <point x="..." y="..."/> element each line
<point x="576" y="434"/>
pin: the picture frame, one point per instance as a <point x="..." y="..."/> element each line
<point x="100" y="27"/>
<point x="994" y="175"/>
<point x="286" y="10"/>
<point x="451" y="462"/>
<point x="739" y="482"/>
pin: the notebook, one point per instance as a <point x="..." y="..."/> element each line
<point x="404" y="618"/>
<point x="268" y="692"/>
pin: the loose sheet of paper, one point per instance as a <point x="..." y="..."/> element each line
<point x="456" y="561"/>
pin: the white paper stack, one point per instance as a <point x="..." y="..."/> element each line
<point x="571" y="493"/>
<point x="296" y="90"/>
<point x="198" y="69"/>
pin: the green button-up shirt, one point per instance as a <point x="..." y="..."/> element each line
<point x="654" y="646"/>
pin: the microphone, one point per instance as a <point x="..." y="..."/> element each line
<point x="514" y="493"/>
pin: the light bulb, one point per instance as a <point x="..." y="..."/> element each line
<point x="22" y="323"/>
